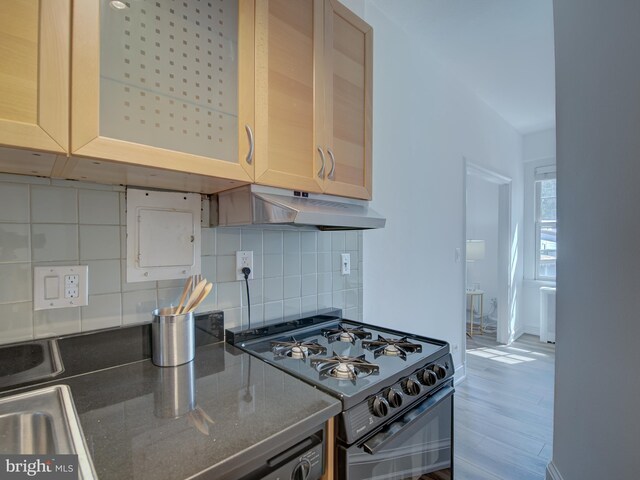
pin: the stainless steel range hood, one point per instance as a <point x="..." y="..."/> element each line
<point x="258" y="205"/>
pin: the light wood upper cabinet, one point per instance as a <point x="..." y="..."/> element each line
<point x="34" y="74"/>
<point x="348" y="90"/>
<point x="165" y="84"/>
<point x="289" y="95"/>
<point x="313" y="98"/>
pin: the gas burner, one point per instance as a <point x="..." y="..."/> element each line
<point x="392" y="347"/>
<point x="344" y="334"/>
<point x="344" y="368"/>
<point x="296" y="349"/>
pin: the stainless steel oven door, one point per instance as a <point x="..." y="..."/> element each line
<point x="416" y="445"/>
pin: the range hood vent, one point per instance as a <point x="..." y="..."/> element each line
<point x="256" y="205"/>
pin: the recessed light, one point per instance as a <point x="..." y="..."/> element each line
<point x="117" y="5"/>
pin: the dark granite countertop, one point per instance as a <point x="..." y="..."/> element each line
<point x="243" y="407"/>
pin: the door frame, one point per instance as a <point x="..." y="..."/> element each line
<point x="507" y="257"/>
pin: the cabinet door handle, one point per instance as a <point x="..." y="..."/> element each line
<point x="333" y="164"/>
<point x="321" y="171"/>
<point x="250" y="135"/>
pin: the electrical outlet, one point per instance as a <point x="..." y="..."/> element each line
<point x="60" y="286"/>
<point x="345" y="264"/>
<point x="244" y="258"/>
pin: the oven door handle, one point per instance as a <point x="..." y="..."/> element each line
<point x="407" y="422"/>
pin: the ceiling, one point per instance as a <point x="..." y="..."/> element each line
<point x="500" y="49"/>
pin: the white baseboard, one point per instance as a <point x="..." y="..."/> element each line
<point x="552" y="472"/>
<point x="532" y="330"/>
<point x="460" y="374"/>
<point x="518" y="333"/>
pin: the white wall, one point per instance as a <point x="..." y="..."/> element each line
<point x="425" y="122"/>
<point x="482" y="224"/>
<point x="538" y="149"/>
<point x="597" y="425"/>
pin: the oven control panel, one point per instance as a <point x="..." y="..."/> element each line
<point x="392" y="401"/>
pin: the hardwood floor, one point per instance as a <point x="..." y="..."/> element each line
<point x="504" y="410"/>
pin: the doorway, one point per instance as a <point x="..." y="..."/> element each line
<point x="488" y="260"/>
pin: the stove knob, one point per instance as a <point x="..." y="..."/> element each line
<point x="439" y="370"/>
<point x="394" y="398"/>
<point x="410" y="387"/>
<point x="301" y="471"/>
<point x="379" y="407"/>
<point x="427" y="377"/>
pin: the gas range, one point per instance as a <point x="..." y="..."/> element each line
<point x="377" y="372"/>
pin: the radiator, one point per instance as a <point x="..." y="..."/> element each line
<point x="548" y="314"/>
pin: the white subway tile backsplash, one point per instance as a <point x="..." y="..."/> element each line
<point x="227" y="241"/>
<point x="291" y="265"/>
<point x="168" y="297"/>
<point x="325" y="300"/>
<point x="272" y="242"/>
<point x="338" y="281"/>
<point x="54" y="204"/>
<point x="252" y="240"/>
<point x="257" y="316"/>
<point x="15" y="282"/>
<point x="325" y="284"/>
<point x="103" y="311"/>
<point x="324" y="262"/>
<point x="337" y="241"/>
<point x="351" y="240"/>
<point x="338" y="299"/>
<point x="308" y="242"/>
<point x="16" y="322"/>
<point x="273" y="289"/>
<point x="291" y="307"/>
<point x="273" y="311"/>
<point x="97" y="207"/>
<point x="229" y="295"/>
<point x="294" y="271"/>
<point x="208" y="240"/>
<point x="309" y="263"/>
<point x="256" y="292"/>
<point x="309" y="305"/>
<point x="99" y="242"/>
<point x="225" y="268"/>
<point x="273" y="265"/>
<point x="14" y="199"/>
<point x="15" y="243"/>
<point x="309" y="285"/>
<point x="59" y="321"/>
<point x="291" y="243"/>
<point x="209" y="268"/>
<point x="54" y="243"/>
<point x="351" y="314"/>
<point x="104" y="276"/>
<point x="324" y="241"/>
<point x="351" y="299"/>
<point x="292" y="287"/>
<point x="137" y="306"/>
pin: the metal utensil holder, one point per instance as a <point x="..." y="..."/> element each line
<point x="172" y="337"/>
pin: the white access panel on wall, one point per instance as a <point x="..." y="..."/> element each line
<point x="163" y="235"/>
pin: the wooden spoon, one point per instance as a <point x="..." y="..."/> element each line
<point x="185" y="291"/>
<point x="200" y="299"/>
<point x="194" y="295"/>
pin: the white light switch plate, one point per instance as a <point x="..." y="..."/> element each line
<point x="60" y="286"/>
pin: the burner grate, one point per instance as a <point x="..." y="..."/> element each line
<point x="344" y="367"/>
<point x="392" y="347"/>
<point x="296" y="349"/>
<point x="345" y="334"/>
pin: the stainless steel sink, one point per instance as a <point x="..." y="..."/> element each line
<point x="29" y="362"/>
<point x="44" y="422"/>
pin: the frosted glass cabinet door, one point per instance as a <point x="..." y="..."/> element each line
<point x="165" y="83"/>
